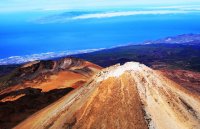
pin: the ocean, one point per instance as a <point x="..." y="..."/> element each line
<point x="22" y="34"/>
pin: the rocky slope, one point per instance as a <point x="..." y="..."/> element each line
<point x="187" y="79"/>
<point x="37" y="84"/>
<point x="131" y="96"/>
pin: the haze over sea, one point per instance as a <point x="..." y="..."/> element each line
<point x="26" y="33"/>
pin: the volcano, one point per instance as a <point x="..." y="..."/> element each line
<point x="129" y="96"/>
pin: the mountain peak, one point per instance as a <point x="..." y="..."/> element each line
<point x="117" y="70"/>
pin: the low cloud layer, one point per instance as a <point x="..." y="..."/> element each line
<point x="70" y="16"/>
<point x="42" y="56"/>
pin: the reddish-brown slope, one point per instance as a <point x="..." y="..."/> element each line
<point x="116" y="105"/>
<point x="48" y="75"/>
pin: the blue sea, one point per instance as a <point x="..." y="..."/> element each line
<point x="21" y="33"/>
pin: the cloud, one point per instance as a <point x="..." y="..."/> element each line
<point x="42" y="56"/>
<point x="69" y="16"/>
<point x="127" y="13"/>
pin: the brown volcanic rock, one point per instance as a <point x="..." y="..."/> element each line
<point x="188" y="79"/>
<point x="131" y="96"/>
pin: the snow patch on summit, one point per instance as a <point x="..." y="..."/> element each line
<point x="118" y="70"/>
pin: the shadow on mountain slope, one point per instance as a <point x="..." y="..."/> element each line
<point x="32" y="101"/>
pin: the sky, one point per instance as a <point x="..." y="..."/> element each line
<point x="31" y="5"/>
<point x="57" y="23"/>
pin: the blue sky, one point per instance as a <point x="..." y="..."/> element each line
<point x="30" y="5"/>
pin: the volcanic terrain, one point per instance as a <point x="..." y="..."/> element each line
<point x="131" y="96"/>
<point x="37" y="84"/>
